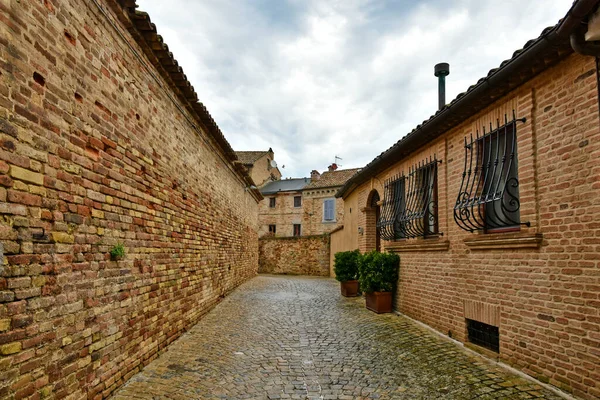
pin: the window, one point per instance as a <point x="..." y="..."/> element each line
<point x="409" y="207"/>
<point x="297" y="201"/>
<point x="297" y="230"/>
<point x="272" y="202"/>
<point x="484" y="335"/>
<point x="329" y="210"/>
<point x="488" y="199"/>
<point x="273" y="229"/>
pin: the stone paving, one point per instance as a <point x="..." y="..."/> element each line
<point x="297" y="338"/>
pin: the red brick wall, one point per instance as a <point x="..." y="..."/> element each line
<point x="94" y="150"/>
<point x="547" y="298"/>
<point x="307" y="255"/>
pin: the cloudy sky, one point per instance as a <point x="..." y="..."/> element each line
<point x="315" y="79"/>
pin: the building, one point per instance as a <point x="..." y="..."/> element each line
<point x="103" y="141"/>
<point x="303" y="206"/>
<point x="261" y="166"/>
<point x="322" y="211"/>
<point x="493" y="206"/>
<point x="281" y="212"/>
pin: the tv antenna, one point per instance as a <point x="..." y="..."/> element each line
<point x="336" y="161"/>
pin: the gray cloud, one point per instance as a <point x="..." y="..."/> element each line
<point x="313" y="79"/>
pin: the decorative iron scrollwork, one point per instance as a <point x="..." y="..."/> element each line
<point x="409" y="207"/>
<point x="489" y="192"/>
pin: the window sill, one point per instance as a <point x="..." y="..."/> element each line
<point x="499" y="241"/>
<point x="328" y="222"/>
<point x="418" y="245"/>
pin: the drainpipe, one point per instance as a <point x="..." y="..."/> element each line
<point x="580" y="46"/>
<point x="441" y="70"/>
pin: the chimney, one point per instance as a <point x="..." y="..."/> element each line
<point x="315" y="175"/>
<point x="442" y="70"/>
<point x="332" y="167"/>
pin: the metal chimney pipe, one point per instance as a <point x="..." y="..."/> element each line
<point x="442" y="70"/>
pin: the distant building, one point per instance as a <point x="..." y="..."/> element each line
<point x="281" y="212"/>
<point x="303" y="206"/>
<point x="261" y="165"/>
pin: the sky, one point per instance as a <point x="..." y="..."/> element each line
<point x="316" y="79"/>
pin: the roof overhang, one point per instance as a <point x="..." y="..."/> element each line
<point x="552" y="46"/>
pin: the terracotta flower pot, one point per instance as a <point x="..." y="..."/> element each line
<point x="379" y="302"/>
<point x="349" y="288"/>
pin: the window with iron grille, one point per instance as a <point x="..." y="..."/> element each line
<point x="272" y="202"/>
<point x="297" y="230"/>
<point x="297" y="201"/>
<point x="329" y="210"/>
<point x="484" y="335"/>
<point x="488" y="199"/>
<point x="409" y="208"/>
<point x="273" y="229"/>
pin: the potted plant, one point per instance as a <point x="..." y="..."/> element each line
<point x="345" y="267"/>
<point x="378" y="274"/>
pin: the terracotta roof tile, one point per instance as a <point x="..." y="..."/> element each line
<point x="332" y="178"/>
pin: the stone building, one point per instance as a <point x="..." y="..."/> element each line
<point x="493" y="205"/>
<point x="103" y="141"/>
<point x="281" y="212"/>
<point x="261" y="166"/>
<point x="323" y="212"/>
<point x="303" y="206"/>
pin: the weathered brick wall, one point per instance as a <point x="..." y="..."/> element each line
<point x="547" y="299"/>
<point x="308" y="255"/>
<point x="94" y="150"/>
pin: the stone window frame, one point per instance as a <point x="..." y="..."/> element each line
<point x="272" y="202"/>
<point x="299" y="203"/>
<point x="273" y="229"/>
<point x="297" y="230"/>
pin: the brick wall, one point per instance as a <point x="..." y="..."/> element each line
<point x="546" y="299"/>
<point x="308" y="255"/>
<point x="96" y="149"/>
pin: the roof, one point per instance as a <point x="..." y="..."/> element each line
<point x="285" y="185"/>
<point x="332" y="178"/>
<point x="145" y="34"/>
<point x="250" y="157"/>
<point x="537" y="55"/>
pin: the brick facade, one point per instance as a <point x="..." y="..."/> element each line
<point x="544" y="296"/>
<point x="307" y="255"/>
<point x="97" y="148"/>
<point x="284" y="215"/>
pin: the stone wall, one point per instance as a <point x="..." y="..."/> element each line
<point x="307" y="255"/>
<point x="540" y="285"/>
<point x="312" y="218"/>
<point x="96" y="148"/>
<point x="284" y="215"/>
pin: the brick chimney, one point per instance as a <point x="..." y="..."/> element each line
<point x="315" y="175"/>
<point x="333" y="167"/>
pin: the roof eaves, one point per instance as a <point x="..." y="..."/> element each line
<point x="555" y="38"/>
<point x="145" y="34"/>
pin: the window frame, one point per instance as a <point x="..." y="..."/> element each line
<point x="274" y="230"/>
<point x="300" y="201"/>
<point x="272" y="202"/>
<point x="298" y="228"/>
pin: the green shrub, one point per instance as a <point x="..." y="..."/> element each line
<point x="345" y="265"/>
<point x="117" y="252"/>
<point x="378" y="272"/>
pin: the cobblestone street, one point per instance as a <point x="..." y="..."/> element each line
<point x="296" y="337"/>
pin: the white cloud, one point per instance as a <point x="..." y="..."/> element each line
<point x="314" y="79"/>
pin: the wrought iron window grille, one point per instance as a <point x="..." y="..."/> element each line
<point x="410" y="208"/>
<point x="488" y="197"/>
